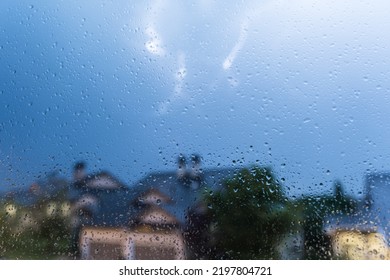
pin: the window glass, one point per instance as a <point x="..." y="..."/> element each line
<point x="194" y="130"/>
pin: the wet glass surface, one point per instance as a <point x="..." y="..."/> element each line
<point x="199" y="130"/>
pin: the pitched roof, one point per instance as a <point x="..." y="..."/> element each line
<point x="111" y="199"/>
<point x="120" y="206"/>
<point x="378" y="196"/>
<point x="185" y="193"/>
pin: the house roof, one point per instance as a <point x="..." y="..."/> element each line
<point x="120" y="206"/>
<point x="184" y="193"/>
<point x="362" y="220"/>
<point x="378" y="200"/>
<point x="104" y="197"/>
<point x="51" y="187"/>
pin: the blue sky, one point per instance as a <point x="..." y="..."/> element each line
<point x="301" y="86"/>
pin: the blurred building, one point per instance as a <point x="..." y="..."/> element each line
<point x="153" y="219"/>
<point x="364" y="234"/>
<point x="44" y="199"/>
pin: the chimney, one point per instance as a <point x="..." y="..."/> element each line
<point x="196" y="171"/>
<point x="35" y="189"/>
<point x="181" y="167"/>
<point x="79" y="171"/>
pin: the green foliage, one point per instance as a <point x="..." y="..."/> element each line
<point x="249" y="216"/>
<point x="45" y="238"/>
<point x="39" y="230"/>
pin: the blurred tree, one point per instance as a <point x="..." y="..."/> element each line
<point x="248" y="217"/>
<point x="39" y="227"/>
<point x="315" y="209"/>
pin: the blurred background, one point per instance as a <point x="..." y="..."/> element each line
<point x="296" y="87"/>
